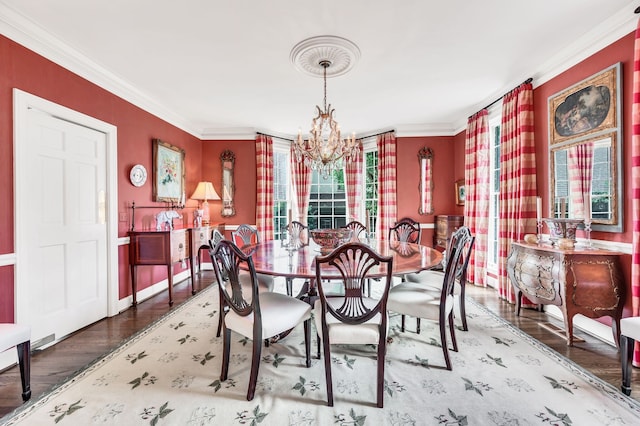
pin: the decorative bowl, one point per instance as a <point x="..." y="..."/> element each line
<point x="328" y="239"/>
<point x="562" y="228"/>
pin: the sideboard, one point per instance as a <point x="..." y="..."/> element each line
<point x="579" y="281"/>
<point x="445" y="226"/>
<point x="161" y="248"/>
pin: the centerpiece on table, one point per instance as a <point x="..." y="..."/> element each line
<point x="330" y="238"/>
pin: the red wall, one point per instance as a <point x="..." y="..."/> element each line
<point x="25" y="70"/>
<point x="408" y="177"/>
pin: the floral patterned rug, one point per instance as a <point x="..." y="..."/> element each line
<point x="168" y="374"/>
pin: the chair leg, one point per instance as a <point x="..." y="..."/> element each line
<point x="463" y="311"/>
<point x="402" y="323"/>
<point x="226" y="347"/>
<point x="307" y="341"/>
<point x="219" y="325"/>
<point x="289" y="282"/>
<point x="255" y="366"/>
<point x="443" y="341"/>
<point x="418" y="325"/>
<point x="327" y="370"/>
<point x="24" y="361"/>
<point x="381" y="354"/>
<point x="452" y="330"/>
<point x="318" y="345"/>
<point x="626" y="355"/>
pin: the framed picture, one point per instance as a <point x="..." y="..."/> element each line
<point x="168" y="172"/>
<point x="588" y="107"/>
<point x="460" y="192"/>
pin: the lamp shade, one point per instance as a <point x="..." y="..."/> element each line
<point x="205" y="191"/>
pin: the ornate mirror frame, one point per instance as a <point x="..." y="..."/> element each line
<point x="425" y="186"/>
<point x="585" y="126"/>
<point x="228" y="159"/>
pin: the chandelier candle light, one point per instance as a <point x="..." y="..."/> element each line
<point x="325" y="150"/>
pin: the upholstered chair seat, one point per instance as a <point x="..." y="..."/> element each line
<point x="19" y="336"/>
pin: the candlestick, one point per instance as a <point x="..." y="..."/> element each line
<point x="538" y="209"/>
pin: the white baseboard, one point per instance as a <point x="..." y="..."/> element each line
<point x="585" y="324"/>
<point x="152" y="290"/>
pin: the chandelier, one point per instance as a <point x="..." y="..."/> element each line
<point x="325" y="150"/>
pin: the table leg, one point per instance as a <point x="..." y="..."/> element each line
<point x="170" y="279"/>
<point x="134" y="285"/>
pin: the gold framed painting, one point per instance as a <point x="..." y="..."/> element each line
<point x="586" y="108"/>
<point x="168" y="172"/>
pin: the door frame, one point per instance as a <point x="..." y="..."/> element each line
<point x="22" y="102"/>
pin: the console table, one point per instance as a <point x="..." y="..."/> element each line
<point x="160" y="248"/>
<point x="579" y="281"/>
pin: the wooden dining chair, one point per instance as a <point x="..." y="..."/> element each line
<point x="417" y="301"/>
<point x="245" y="235"/>
<point x="251" y="313"/>
<point x="265" y="283"/>
<point x="359" y="230"/>
<point x="19" y="336"/>
<point x="432" y="280"/>
<point x="406" y="230"/>
<point x="352" y="318"/>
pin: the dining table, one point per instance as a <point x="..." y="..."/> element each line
<point x="272" y="257"/>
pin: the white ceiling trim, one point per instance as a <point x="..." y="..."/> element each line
<point x="23" y="31"/>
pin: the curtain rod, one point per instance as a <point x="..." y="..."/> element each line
<point x="529" y="80"/>
<point x="272" y="136"/>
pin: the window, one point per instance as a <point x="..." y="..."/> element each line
<point x="280" y="191"/>
<point x="328" y="201"/>
<point x="494" y="196"/>
<point x="371" y="190"/>
<point x="328" y="197"/>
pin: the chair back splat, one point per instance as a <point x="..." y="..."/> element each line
<point x="245" y="235"/>
<point x="405" y="231"/>
<point x="298" y="234"/>
<point x="359" y="230"/>
<point x="353" y="318"/>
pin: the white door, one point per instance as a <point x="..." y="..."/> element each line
<point x="63" y="260"/>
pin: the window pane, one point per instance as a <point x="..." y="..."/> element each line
<point x="280" y="191"/>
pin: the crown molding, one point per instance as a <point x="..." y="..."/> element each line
<point x="426" y="129"/>
<point x="20" y="29"/>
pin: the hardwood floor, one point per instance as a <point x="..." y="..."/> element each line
<point x="53" y="365"/>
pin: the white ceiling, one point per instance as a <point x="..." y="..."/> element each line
<point x="221" y="68"/>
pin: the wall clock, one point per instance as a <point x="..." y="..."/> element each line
<point x="138" y="175"/>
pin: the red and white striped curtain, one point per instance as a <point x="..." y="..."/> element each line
<point x="264" y="186"/>
<point x="387" y="212"/>
<point x="635" y="189"/>
<point x="353" y="180"/>
<point x="477" y="172"/>
<point x="517" y="177"/>
<point x="580" y="171"/>
<point x="301" y="176"/>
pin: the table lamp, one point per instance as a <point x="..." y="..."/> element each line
<point x="204" y="192"/>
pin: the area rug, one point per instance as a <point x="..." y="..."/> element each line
<point x="168" y="374"/>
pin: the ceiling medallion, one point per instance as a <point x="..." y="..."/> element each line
<point x="325" y="150"/>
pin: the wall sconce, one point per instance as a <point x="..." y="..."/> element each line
<point x="205" y="191"/>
